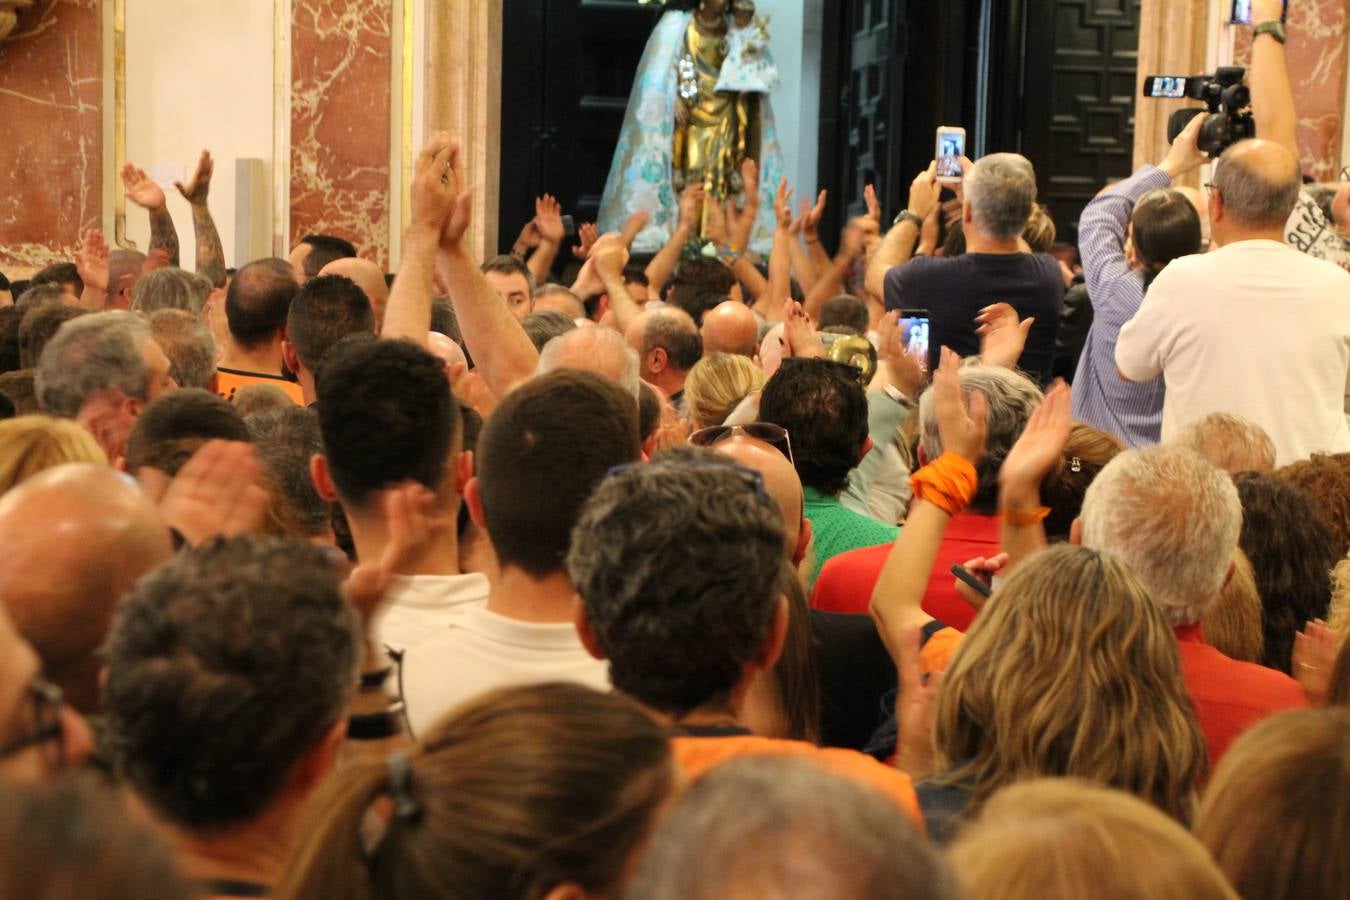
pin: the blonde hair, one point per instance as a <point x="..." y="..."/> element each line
<point x="1065" y="838"/>
<point x="716" y="384"/>
<point x="1040" y="231"/>
<point x="1233" y="624"/>
<point x="30" y="444"/>
<point x="1338" y="613"/>
<point x="1071" y="669"/>
<point x="1230" y="442"/>
<point x="1276" y="816"/>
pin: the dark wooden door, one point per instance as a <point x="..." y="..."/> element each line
<point x="1073" y="111"/>
<point x="567" y="69"/>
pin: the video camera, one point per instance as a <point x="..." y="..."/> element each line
<point x="1228" y="118"/>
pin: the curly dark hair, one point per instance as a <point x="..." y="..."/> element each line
<point x="824" y="410"/>
<point x="1292" y="554"/>
<point x="225" y="666"/>
<point x="387" y="416"/>
<point x="677" y="562"/>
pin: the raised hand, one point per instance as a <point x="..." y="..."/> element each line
<point x="1002" y="336"/>
<point x="91" y="260"/>
<point x="413" y="524"/>
<point x="196" y="189"/>
<point x="905" y="368"/>
<point x="587" y="235"/>
<point x="799" y="333"/>
<point x="548" y="219"/>
<point x="782" y="205"/>
<point x="873" y="204"/>
<point x="610" y="255"/>
<point x="141" y="190"/>
<point x="924" y="192"/>
<point x="984" y="568"/>
<point x="915" y="707"/>
<point x="961" y="423"/>
<point x="460" y="197"/>
<point x="431" y="197"/>
<point x="1315" y="649"/>
<point x="691" y="206"/>
<point x="811" y="217"/>
<point x="1184" y="154"/>
<point x="1039" y="450"/>
<point x="214" y="494"/>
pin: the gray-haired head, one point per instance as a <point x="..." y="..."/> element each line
<point x="781" y="827"/>
<point x="90" y="354"/>
<point x="1173" y="518"/>
<point x="599" y="350"/>
<point x="1258" y="183"/>
<point x="544" y="325"/>
<point x="1001" y="191"/>
<point x="287" y="438"/>
<point x="40" y="295"/>
<point x="189" y="345"/>
<point x="1012" y="398"/>
<point x="166" y="288"/>
<point x="1229" y="441"/>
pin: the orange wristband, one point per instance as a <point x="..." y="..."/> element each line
<point x="1023" y="519"/>
<point x="948" y="482"/>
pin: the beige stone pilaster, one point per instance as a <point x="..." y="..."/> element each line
<point x="1173" y="40"/>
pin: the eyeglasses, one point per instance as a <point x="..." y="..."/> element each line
<point x="775" y="436"/>
<point x="1210" y="187"/>
<point x="751" y="477"/>
<point x="45" y="701"/>
<point x="1345" y="173"/>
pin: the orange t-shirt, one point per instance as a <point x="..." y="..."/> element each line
<point x="228" y="381"/>
<point x="698" y="755"/>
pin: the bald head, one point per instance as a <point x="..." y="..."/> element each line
<point x="1257" y="183"/>
<point x="76" y="538"/>
<point x="780" y="480"/>
<point x="594" y="349"/>
<point x="368" y="278"/>
<point x="730" y="327"/>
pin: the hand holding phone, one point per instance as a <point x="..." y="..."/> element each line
<point x="951" y="146"/>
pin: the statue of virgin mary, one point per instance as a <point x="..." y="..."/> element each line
<point x="684" y="126"/>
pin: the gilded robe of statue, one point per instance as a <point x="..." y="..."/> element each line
<point x="680" y="129"/>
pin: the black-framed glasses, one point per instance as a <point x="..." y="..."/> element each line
<point x="45" y="700"/>
<point x="1211" y="188"/>
<point x="775" y="436"/>
<point x="750" y="476"/>
<point x="1345" y="173"/>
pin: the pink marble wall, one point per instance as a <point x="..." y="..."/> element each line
<point x="50" y="132"/>
<point x="340" y="107"/>
<point x="1317" y="59"/>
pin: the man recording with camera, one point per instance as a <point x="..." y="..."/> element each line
<point x="1254" y="327"/>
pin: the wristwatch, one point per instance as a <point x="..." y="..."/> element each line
<point x="907" y="216"/>
<point x="1273" y="28"/>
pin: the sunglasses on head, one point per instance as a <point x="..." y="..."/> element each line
<point x="775" y="436"/>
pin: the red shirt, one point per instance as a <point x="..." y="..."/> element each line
<point x="846" y="582"/>
<point x="1230" y="696"/>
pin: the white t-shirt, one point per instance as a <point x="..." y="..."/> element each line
<point x="1255" y="328"/>
<point x="483" y="650"/>
<point x="419" y="607"/>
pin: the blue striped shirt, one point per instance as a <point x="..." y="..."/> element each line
<point x="1101" y="398"/>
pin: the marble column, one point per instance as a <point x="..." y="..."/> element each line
<point x="51" y="138"/>
<point x="464" y="97"/>
<point x="1316" y="55"/>
<point x="340" y="108"/>
<point x="1172" y="41"/>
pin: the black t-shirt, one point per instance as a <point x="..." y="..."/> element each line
<point x="955" y="289"/>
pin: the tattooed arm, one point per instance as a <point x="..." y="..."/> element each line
<point x="149" y="196"/>
<point x="210" y="255"/>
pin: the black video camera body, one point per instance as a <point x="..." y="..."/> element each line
<point x="1228" y="116"/>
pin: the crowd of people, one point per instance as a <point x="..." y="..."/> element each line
<point x="569" y="574"/>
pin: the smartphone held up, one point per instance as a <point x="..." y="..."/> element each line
<point x="951" y="146"/>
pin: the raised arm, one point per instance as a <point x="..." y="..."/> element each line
<point x="150" y="197"/>
<point x="1032" y="458"/>
<point x="663" y="263"/>
<point x="609" y="256"/>
<point x="941" y="490"/>
<point x="897" y="247"/>
<point x="432" y="197"/>
<point x="502" y="352"/>
<point x="780" y="260"/>
<point x="548" y="222"/>
<point x="210" y="254"/>
<point x="91" y="261"/>
<point x="1272" y="94"/>
<point x="833" y="278"/>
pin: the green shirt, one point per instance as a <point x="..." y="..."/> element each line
<point x="836" y="529"/>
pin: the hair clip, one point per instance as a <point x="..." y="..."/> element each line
<point x="406" y="807"/>
<point x="1075" y="464"/>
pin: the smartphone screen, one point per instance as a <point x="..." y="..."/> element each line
<point x="1173" y="86"/>
<point x="914" y="332"/>
<point x="1242" y="12"/>
<point x="951" y="146"/>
